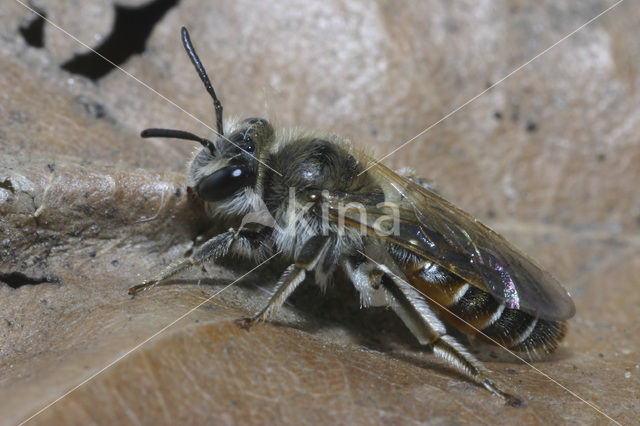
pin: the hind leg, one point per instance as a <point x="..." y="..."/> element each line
<point x="378" y="286"/>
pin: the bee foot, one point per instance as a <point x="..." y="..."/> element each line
<point x="133" y="291"/>
<point x="246" y="323"/>
<point x="511" y="400"/>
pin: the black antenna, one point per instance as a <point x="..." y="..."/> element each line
<point x="186" y="41"/>
<point x="178" y="134"/>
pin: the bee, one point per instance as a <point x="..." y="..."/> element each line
<point x="330" y="207"/>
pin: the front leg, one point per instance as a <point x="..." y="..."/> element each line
<point x="306" y="260"/>
<point x="214" y="249"/>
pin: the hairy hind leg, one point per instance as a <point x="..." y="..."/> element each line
<point x="379" y="286"/>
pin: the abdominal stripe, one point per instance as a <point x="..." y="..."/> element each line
<point x="470" y="309"/>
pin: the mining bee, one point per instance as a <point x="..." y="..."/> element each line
<point x="401" y="245"/>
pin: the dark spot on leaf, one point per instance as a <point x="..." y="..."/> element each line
<point x="6" y="184"/>
<point x="18" y="279"/>
<point x="131" y="29"/>
<point x="33" y="30"/>
<point x="18" y="116"/>
<point x="531" y="126"/>
<point x="92" y="107"/>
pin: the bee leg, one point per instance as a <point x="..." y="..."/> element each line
<point x="213" y="249"/>
<point x="447" y="348"/>
<point x="306" y="260"/>
<point x="378" y="285"/>
<point x="420" y="319"/>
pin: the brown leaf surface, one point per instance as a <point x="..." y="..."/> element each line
<point x="550" y="157"/>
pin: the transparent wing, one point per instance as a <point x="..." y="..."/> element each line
<point x="434" y="229"/>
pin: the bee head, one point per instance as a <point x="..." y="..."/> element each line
<point x="232" y="165"/>
<point x="225" y="167"/>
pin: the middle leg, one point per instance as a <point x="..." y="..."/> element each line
<point x="306" y="260"/>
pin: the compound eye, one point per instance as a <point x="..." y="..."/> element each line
<point x="224" y="183"/>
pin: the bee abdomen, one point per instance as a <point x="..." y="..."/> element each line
<point x="545" y="335"/>
<point x="478" y="313"/>
<point x="521" y="331"/>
